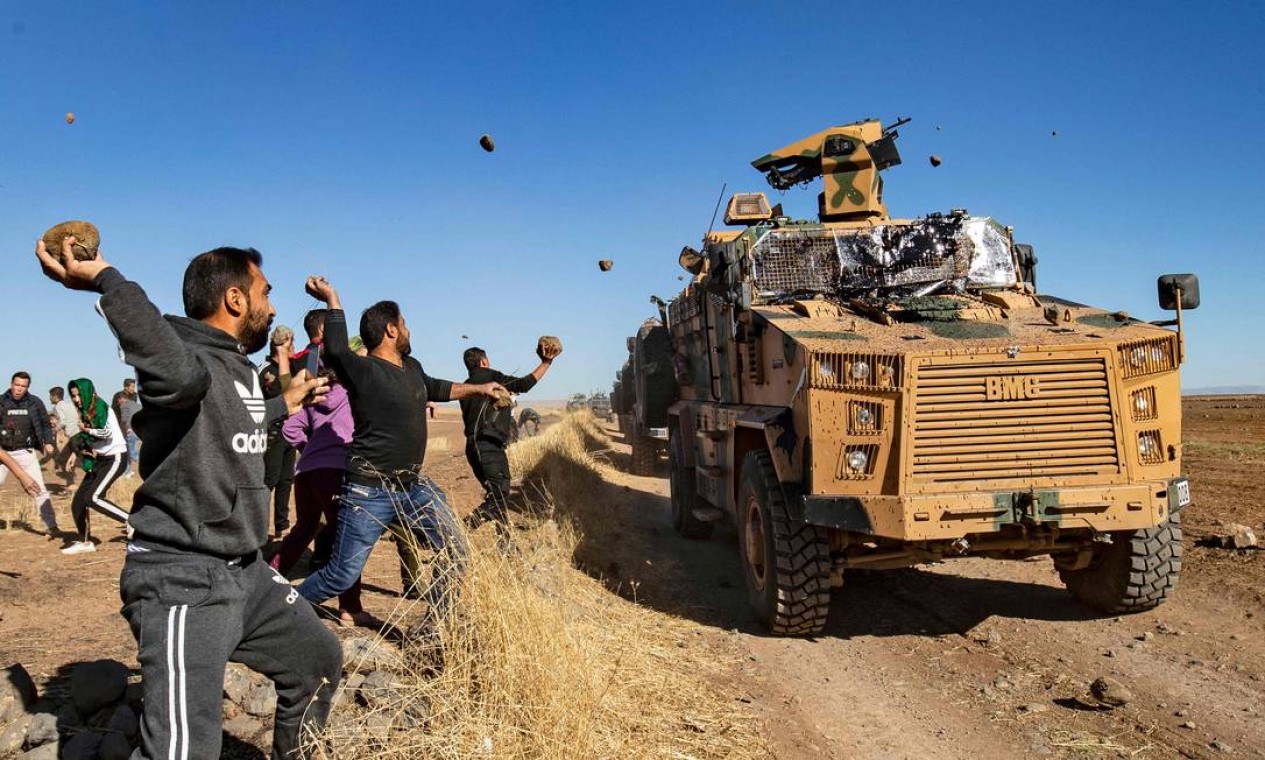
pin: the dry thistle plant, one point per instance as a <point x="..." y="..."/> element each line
<point x="540" y="660"/>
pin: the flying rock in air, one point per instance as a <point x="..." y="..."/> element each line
<point x="486" y="143"/>
<point x="70" y="118"/>
<point x="935" y="160"/>
<point x="605" y="265"/>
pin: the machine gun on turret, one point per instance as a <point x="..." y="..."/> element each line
<point x="849" y="157"/>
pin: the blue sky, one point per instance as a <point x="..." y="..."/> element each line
<point x="342" y="140"/>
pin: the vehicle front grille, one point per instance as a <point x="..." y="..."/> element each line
<point x="1013" y="420"/>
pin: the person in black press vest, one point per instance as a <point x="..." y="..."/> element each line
<point x="26" y="434"/>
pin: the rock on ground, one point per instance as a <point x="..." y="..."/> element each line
<point x="17" y="693"/>
<point x="364" y="655"/>
<point x="42" y="730"/>
<point x="1238" y="537"/>
<point x="43" y="752"/>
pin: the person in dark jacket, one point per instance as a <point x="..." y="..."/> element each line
<point x="26" y="434"/>
<point x="489" y="427"/>
<point x="195" y="591"/>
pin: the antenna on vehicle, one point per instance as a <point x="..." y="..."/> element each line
<point x="715" y="211"/>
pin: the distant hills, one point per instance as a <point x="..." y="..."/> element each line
<point x="1225" y="390"/>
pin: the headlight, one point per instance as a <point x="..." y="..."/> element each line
<point x="858" y="461"/>
<point x="825" y="371"/>
<point x="1142" y="405"/>
<point x="1150" y="450"/>
<point x="865" y="416"/>
<point x="1146" y="357"/>
<point x="860" y="371"/>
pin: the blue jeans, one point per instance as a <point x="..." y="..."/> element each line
<point x="365" y="515"/>
<point x="133" y="453"/>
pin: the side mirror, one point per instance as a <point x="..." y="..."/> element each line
<point x="1170" y="284"/>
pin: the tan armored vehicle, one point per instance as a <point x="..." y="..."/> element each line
<point x="866" y="392"/>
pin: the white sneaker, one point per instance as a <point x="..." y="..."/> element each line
<point x="80" y="547"/>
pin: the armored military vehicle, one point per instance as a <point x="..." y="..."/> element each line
<point x="857" y="391"/>
<point x="600" y="405"/>
<point x="643" y="391"/>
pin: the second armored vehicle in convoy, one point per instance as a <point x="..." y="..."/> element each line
<point x="857" y="391"/>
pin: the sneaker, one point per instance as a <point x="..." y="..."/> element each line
<point x="80" y="547"/>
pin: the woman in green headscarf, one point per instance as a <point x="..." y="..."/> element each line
<point x="104" y="458"/>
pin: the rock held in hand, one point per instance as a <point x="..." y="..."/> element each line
<point x="548" y="347"/>
<point x="87" y="239"/>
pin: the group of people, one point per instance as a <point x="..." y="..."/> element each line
<point x="83" y="432"/>
<point x="197" y="591"/>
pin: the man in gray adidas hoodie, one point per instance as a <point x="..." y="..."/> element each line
<point x="195" y="591"/>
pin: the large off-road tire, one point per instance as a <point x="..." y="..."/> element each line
<point x="1137" y="571"/>
<point x="786" y="562"/>
<point x="644" y="455"/>
<point x="684" y="492"/>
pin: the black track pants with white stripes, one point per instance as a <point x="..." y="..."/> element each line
<point x="191" y="614"/>
<point x="92" y="492"/>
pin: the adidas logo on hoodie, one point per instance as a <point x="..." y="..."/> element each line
<point x="253" y="399"/>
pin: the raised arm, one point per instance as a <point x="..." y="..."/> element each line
<point x="169" y="374"/>
<point x="335" y="351"/>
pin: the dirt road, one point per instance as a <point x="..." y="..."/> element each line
<point x="987" y="659"/>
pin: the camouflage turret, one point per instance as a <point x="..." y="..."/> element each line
<point x="849" y="157"/>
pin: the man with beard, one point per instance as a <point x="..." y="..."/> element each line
<point x="388" y="391"/>
<point x="195" y="591"/>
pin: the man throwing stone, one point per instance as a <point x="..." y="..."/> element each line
<point x="195" y="591"/>
<point x="388" y="391"/>
<point x="489" y="426"/>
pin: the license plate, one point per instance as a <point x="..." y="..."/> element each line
<point x="1183" y="492"/>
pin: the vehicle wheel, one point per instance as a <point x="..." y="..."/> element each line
<point x="786" y="562"/>
<point x="1135" y="572"/>
<point x="684" y="493"/>
<point x="643" y="455"/>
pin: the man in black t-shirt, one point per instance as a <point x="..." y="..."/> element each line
<point x="489" y="427"/>
<point x="388" y="391"/>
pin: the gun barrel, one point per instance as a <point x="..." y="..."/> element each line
<point x="899" y="123"/>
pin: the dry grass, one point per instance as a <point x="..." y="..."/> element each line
<point x="543" y="661"/>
